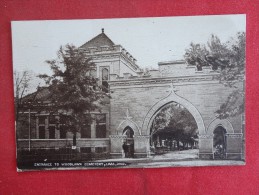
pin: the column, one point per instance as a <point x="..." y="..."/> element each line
<point x="206" y="146"/>
<point x="141" y="146"/>
<point x="116" y="145"/>
<point x="47" y="127"/>
<point x="234" y="147"/>
<point x="57" y="128"/>
<point x="93" y="129"/>
<point x="93" y="134"/>
<point x="37" y="127"/>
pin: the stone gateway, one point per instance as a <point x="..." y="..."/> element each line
<point x="123" y="127"/>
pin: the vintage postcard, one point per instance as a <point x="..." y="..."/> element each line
<point x="128" y="93"/>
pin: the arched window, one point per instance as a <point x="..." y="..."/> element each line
<point x="105" y="74"/>
<point x="105" y="78"/>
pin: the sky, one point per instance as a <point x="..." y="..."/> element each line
<point x="149" y="40"/>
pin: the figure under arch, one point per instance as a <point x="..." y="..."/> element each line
<point x="128" y="143"/>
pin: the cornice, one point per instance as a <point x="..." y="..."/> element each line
<point x="120" y="82"/>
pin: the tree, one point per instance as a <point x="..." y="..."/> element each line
<point x="176" y="122"/>
<point x="73" y="89"/>
<point x="229" y="59"/>
<point x="21" y="87"/>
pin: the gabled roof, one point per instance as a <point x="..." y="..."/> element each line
<point x="98" y="41"/>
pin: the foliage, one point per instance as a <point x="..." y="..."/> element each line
<point x="21" y="87"/>
<point x="73" y="87"/>
<point x="227" y="58"/>
<point x="176" y="122"/>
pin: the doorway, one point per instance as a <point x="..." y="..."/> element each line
<point x="128" y="144"/>
<point x="219" y="143"/>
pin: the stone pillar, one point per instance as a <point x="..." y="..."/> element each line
<point x="234" y="146"/>
<point x="206" y="146"/>
<point x="37" y="127"/>
<point x="158" y="141"/>
<point x="57" y="128"/>
<point x="57" y="132"/>
<point x="141" y="146"/>
<point x="116" y="145"/>
<point x="93" y="129"/>
<point x="93" y="134"/>
<point x="47" y="127"/>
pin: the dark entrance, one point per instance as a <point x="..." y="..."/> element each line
<point x="219" y="143"/>
<point x="128" y="144"/>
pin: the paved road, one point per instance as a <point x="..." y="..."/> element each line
<point x="178" y="155"/>
<point x="187" y="158"/>
<point x="175" y="159"/>
<point x="192" y="163"/>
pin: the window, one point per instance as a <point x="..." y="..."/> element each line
<point x="53" y="121"/>
<point x="105" y="74"/>
<point x="100" y="125"/>
<point x="100" y="130"/>
<point x="41" y="132"/>
<point x="52" y="132"/>
<point x="105" y="78"/>
<point x="86" y="131"/>
<point x="63" y="132"/>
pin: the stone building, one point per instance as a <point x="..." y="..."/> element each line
<point x="136" y="99"/>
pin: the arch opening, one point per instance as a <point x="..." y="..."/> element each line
<point x="128" y="131"/>
<point x="173" y="129"/>
<point x="219" y="142"/>
<point x="128" y="144"/>
<point x="172" y="97"/>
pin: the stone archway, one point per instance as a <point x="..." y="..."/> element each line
<point x="231" y="138"/>
<point x="172" y="97"/>
<point x="220" y="122"/>
<point x="128" y="123"/>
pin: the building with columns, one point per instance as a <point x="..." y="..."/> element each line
<point x="136" y="99"/>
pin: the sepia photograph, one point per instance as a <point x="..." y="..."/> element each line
<point x="129" y="92"/>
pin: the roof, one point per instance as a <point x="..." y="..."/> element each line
<point x="98" y="41"/>
<point x="42" y="94"/>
